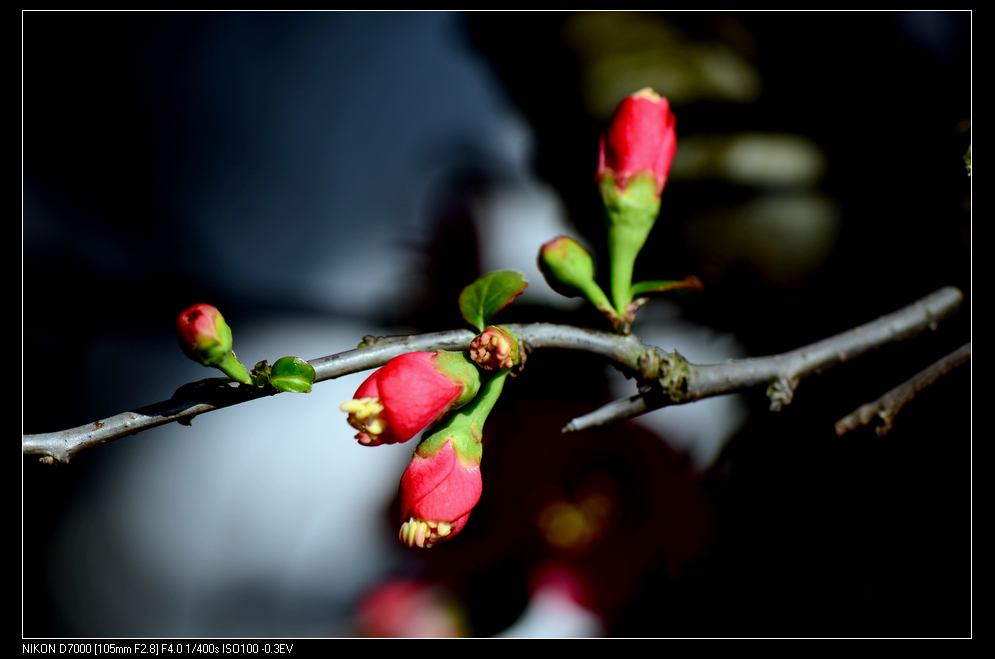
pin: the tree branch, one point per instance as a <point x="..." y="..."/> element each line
<point x="675" y="380"/>
<point x="889" y="405"/>
<point x="682" y="382"/>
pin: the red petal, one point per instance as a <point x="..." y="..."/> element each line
<point x="640" y="138"/>
<point x="414" y="394"/>
<point x="457" y="526"/>
<point x="438" y="488"/>
<point x="424" y="474"/>
<point x="369" y="387"/>
<point x="452" y="498"/>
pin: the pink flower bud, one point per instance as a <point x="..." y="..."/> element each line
<point x="640" y="139"/>
<point x="411" y="391"/>
<point x="438" y="491"/>
<point x="203" y="334"/>
<point x="205" y="338"/>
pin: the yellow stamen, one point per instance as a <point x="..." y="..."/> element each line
<point x="423" y="533"/>
<point x="647" y="93"/>
<point x="363" y="417"/>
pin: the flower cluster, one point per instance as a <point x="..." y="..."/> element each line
<point x="442" y="483"/>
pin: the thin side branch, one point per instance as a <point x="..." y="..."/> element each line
<point x="889" y="405"/>
<point x="683" y="382"/>
<point x="678" y="380"/>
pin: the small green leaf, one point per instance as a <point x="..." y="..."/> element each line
<point x="489" y="294"/>
<point x="659" y="286"/>
<point x="292" y="374"/>
<point x="967" y="159"/>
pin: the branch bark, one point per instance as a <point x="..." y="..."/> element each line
<point x="889" y="405"/>
<point x="671" y="378"/>
<point x="682" y="382"/>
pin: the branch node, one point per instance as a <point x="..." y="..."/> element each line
<point x="649" y="363"/>
<point x="674" y="372"/>
<point x="780" y="392"/>
<point x="369" y="340"/>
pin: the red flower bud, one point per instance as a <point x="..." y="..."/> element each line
<point x="205" y="338"/>
<point x="641" y="138"/>
<point x="411" y="391"/>
<point x="203" y="334"/>
<point x="438" y="492"/>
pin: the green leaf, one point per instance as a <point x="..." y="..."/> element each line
<point x="489" y="294"/>
<point x="967" y="159"/>
<point x="292" y="374"/>
<point x="659" y="286"/>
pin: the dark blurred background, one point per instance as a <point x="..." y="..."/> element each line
<point x="321" y="176"/>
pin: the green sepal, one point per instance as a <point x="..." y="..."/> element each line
<point x="490" y="293"/>
<point x="458" y="367"/>
<point x="630" y="216"/>
<point x="659" y="286"/>
<point x="466" y="425"/>
<point x="292" y="374"/>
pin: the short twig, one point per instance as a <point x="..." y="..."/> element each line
<point x="888" y="406"/>
<point x="782" y="373"/>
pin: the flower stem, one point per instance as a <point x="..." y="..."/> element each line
<point x="234" y="369"/>
<point x="482" y="405"/>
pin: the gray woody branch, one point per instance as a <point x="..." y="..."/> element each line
<point x="887" y="406"/>
<point x="667" y="378"/>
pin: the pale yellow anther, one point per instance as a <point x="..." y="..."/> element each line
<point x="647" y="93"/>
<point x="423" y="533"/>
<point x="362" y="407"/>
<point x="363" y="417"/>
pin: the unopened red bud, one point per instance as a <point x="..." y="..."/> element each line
<point x="640" y="138"/>
<point x="634" y="158"/>
<point x="205" y="337"/>
<point x="442" y="483"/>
<point x="411" y="391"/>
<point x="438" y="491"/>
<point x="203" y="334"/>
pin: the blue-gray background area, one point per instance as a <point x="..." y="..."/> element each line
<point x="323" y="176"/>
